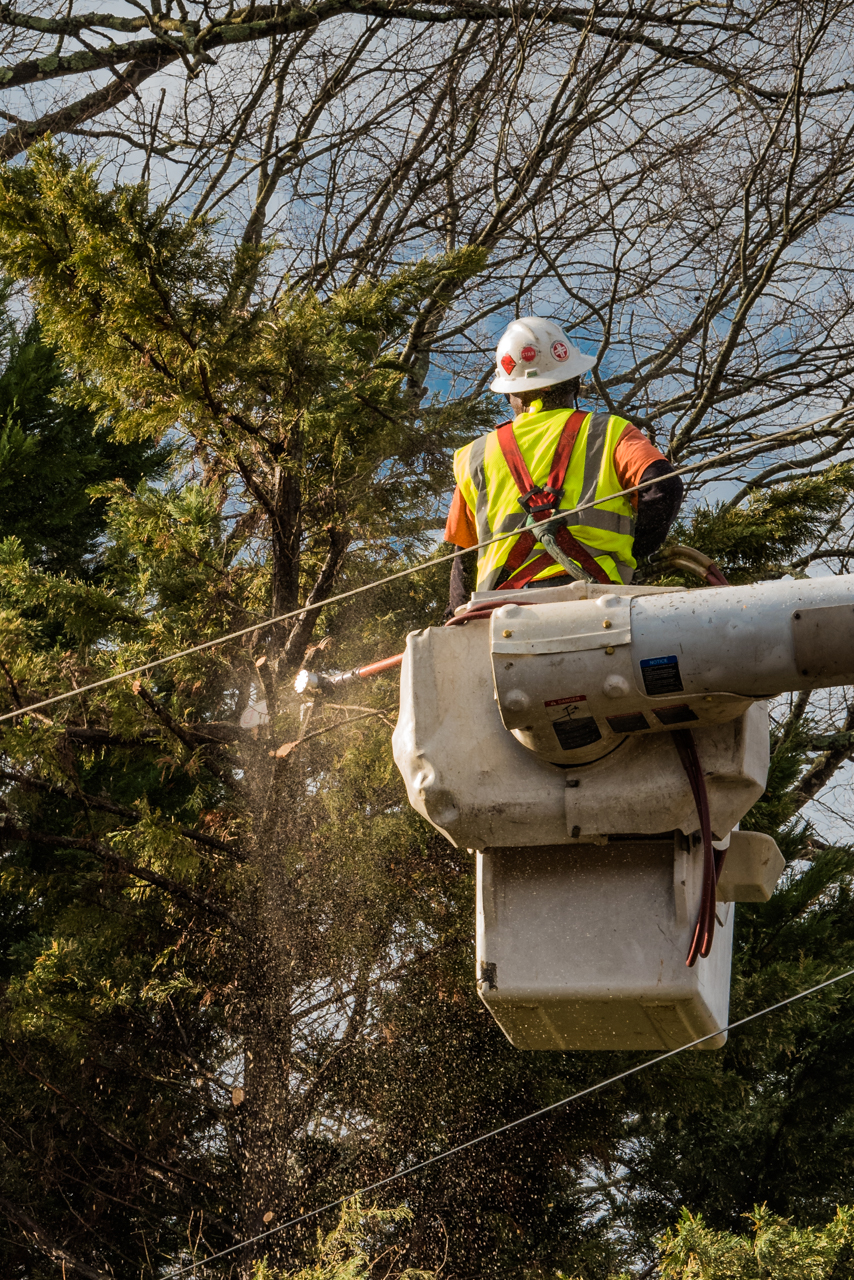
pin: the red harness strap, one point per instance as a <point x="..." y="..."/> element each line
<point x="539" y="503"/>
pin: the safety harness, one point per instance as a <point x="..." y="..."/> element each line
<point x="539" y="502"/>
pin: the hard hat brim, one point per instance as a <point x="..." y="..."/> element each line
<point x="576" y="368"/>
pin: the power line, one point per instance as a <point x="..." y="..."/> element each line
<point x="504" y="1128"/>
<point x="791" y="432"/>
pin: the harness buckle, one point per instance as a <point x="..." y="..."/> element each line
<point x="549" y="499"/>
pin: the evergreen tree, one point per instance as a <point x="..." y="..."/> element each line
<point x="52" y="454"/>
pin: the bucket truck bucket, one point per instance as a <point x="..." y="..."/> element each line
<point x="540" y="735"/>
<point x="583" y="946"/>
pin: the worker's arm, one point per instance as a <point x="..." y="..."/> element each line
<point x="460" y="531"/>
<point x="658" y="507"/>
<point x="637" y="460"/>
<point x="461" y="583"/>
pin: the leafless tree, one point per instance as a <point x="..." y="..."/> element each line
<point x="673" y="182"/>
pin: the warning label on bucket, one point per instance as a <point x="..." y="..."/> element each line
<point x="576" y="733"/>
<point x="573" y="724"/>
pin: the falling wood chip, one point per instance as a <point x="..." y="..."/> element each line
<point x="284" y="750"/>
<point x="237" y="1096"/>
<point x="268" y="1217"/>
<point x="317" y="648"/>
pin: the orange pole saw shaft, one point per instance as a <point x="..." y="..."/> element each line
<point x="376" y="668"/>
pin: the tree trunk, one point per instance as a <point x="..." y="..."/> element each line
<point x="268" y="1188"/>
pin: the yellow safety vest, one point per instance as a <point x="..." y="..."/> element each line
<point x="606" y="530"/>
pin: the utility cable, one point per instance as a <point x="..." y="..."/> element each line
<point x="504" y="1128"/>
<point x="417" y="568"/>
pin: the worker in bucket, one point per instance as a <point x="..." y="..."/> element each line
<point x="553" y="457"/>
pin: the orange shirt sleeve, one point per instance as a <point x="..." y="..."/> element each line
<point x="460" y="527"/>
<point x="632" y="456"/>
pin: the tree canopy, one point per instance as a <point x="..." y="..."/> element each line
<point x="236" y="957"/>
<point x="52" y="455"/>
<point x="674" y="182"/>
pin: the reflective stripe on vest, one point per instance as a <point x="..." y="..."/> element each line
<point x="490" y="491"/>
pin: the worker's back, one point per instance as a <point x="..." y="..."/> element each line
<point x="491" y="492"/>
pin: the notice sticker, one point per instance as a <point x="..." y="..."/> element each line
<point x="661" y="675"/>
<point x="563" y="702"/>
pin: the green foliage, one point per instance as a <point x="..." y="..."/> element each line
<point x="353" y="1249"/>
<point x="770" y="533"/>
<point x="776" y="811"/>
<point x="236" y="967"/>
<point x="185" y="915"/>
<point x="52" y="455"/>
<point x="158" y="319"/>
<point x="777" y="1250"/>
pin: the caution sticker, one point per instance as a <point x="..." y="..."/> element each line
<point x="563" y="702"/>
<point x="661" y="675"/>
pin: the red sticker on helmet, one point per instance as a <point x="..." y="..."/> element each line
<point x="528" y="354"/>
<point x="560" y="351"/>
<point x="508" y="364"/>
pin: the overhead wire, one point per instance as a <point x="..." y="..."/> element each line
<point x="194" y="1267"/>
<point x="311" y="607"/>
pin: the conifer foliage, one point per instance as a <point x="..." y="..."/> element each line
<point x="775" y="1251"/>
<point x="202" y="915"/>
<point x="51" y="455"/>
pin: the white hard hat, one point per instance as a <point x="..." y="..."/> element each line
<point x="535" y="353"/>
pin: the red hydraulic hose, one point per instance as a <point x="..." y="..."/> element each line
<point x="482" y="611"/>
<point x="704" y="932"/>
<point x="714" y="577"/>
<point x="316" y="681"/>
<point x="479" y="611"/>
